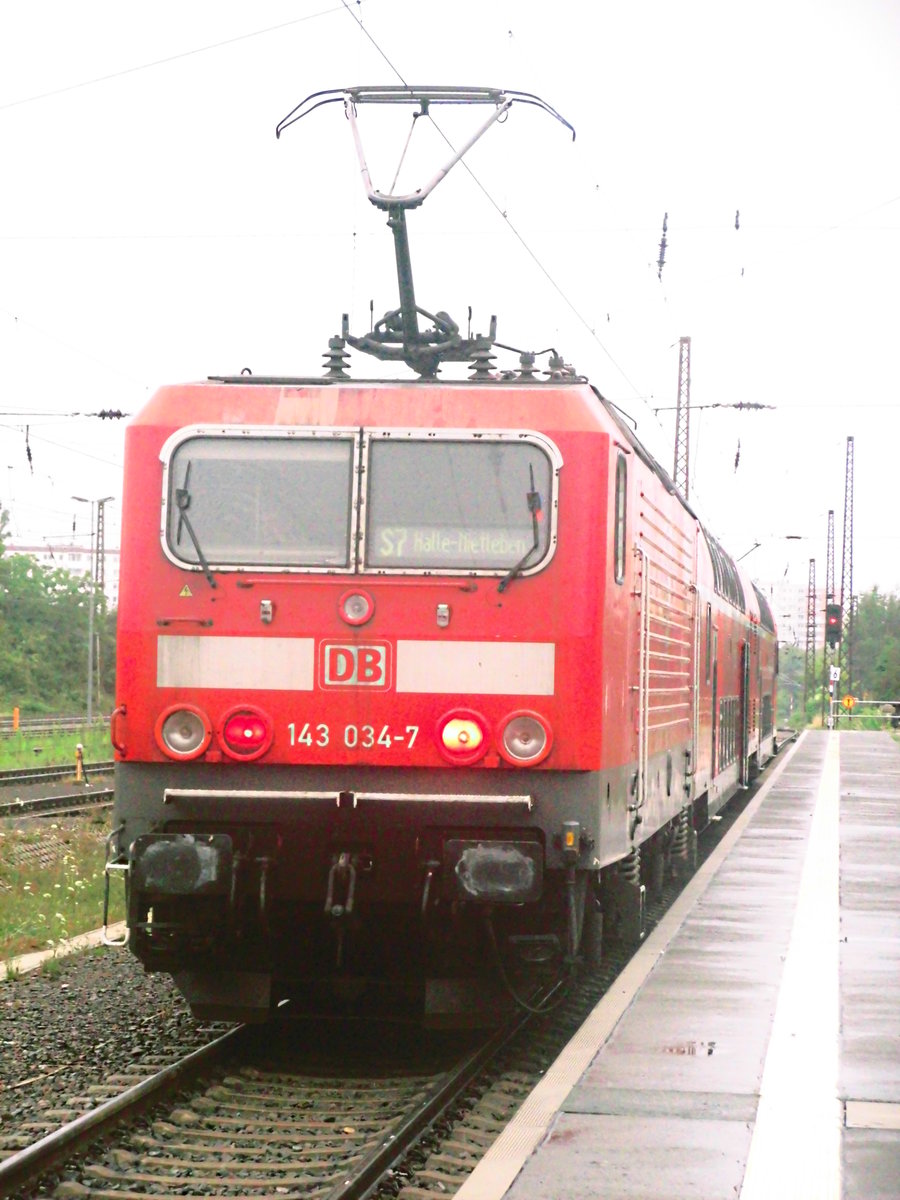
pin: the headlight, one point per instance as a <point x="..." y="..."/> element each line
<point x="183" y="731"/>
<point x="525" y="739"/>
<point x="356" y="607"/>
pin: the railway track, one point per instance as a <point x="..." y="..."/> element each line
<point x="302" y="1109"/>
<point x="23" y="777"/>
<point x="307" y="1109"/>
<point x="37" y="725"/>
<point x="89" y="796"/>
<point x="57" y="806"/>
<point x="295" y="1114"/>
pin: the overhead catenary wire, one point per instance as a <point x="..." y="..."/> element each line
<point x="67" y="446"/>
<point x="105" y="414"/>
<point x="160" y="62"/>
<point x="18" y="320"/>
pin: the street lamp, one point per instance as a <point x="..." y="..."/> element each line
<point x="90" y="654"/>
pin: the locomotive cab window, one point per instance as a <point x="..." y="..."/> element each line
<point x="261" y="501"/>
<point x="484" y="504"/>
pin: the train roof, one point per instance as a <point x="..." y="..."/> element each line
<point x="566" y="402"/>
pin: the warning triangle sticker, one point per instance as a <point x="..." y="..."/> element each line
<point x="185" y="591"/>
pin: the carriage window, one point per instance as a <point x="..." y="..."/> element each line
<point x="241" y="501"/>
<point x="708" y="641"/>
<point x="619" y="531"/>
<point x="458" y="505"/>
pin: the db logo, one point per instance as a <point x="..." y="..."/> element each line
<point x="357" y="665"/>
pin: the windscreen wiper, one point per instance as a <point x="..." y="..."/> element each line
<point x="183" y="501"/>
<point x="533" y="500"/>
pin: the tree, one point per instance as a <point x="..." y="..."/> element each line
<point x="876" y="646"/>
<point x="791" y="663"/>
<point x="43" y="635"/>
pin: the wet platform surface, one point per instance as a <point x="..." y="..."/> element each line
<point x="756" y="1053"/>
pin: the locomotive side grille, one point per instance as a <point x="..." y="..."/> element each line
<point x="668" y="649"/>
<point x="667" y="642"/>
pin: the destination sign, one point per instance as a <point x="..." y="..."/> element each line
<point x="431" y="543"/>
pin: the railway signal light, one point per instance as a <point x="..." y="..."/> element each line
<point x="832" y="624"/>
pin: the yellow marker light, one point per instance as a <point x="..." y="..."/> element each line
<point x="570" y="838"/>
<point x="461" y="735"/>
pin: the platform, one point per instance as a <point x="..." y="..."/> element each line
<point x="752" y="1046"/>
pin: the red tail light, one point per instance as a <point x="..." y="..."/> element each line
<point x="246" y="733"/>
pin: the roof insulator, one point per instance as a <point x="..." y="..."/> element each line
<point x="337" y="359"/>
<point x="482" y="362"/>
<point x="526" y="365"/>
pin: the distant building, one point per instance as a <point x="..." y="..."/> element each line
<point x="788" y="602"/>
<point x="77" y="560"/>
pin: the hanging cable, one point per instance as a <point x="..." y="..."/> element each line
<point x="161" y="62"/>
<point x="661" y="261"/>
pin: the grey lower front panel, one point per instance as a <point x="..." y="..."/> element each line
<point x="254" y="884"/>
<point x="385" y="804"/>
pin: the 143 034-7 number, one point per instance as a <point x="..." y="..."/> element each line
<point x="365" y="736"/>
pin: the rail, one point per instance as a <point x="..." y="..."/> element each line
<point x="51" y="806"/>
<point x="55" y="1147"/>
<point x="9" y="726"/>
<point x="851" y="706"/>
<point x="23" y="776"/>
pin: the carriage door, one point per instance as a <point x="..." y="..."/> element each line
<point x="744" y="775"/>
<point x="714" y="770"/>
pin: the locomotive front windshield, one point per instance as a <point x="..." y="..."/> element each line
<point x="261" y="501"/>
<point x="449" y="505"/>
<point x="476" y="504"/>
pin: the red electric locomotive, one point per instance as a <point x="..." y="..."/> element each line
<point x="412" y="675"/>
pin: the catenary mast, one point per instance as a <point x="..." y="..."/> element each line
<point x="683" y="418"/>
<point x="809" y="674"/>
<point x="845" y="654"/>
<point x="829" y="599"/>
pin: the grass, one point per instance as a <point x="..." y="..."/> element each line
<point x="54" y="749"/>
<point x="51" y="882"/>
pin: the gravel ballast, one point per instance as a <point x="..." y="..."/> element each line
<point x="65" y="1031"/>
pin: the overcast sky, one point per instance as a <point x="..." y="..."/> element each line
<point x="152" y="229"/>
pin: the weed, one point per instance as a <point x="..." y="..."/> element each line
<point x="52" y="968"/>
<point x="51" y="884"/>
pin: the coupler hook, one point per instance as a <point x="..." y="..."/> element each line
<point x="343" y="872"/>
